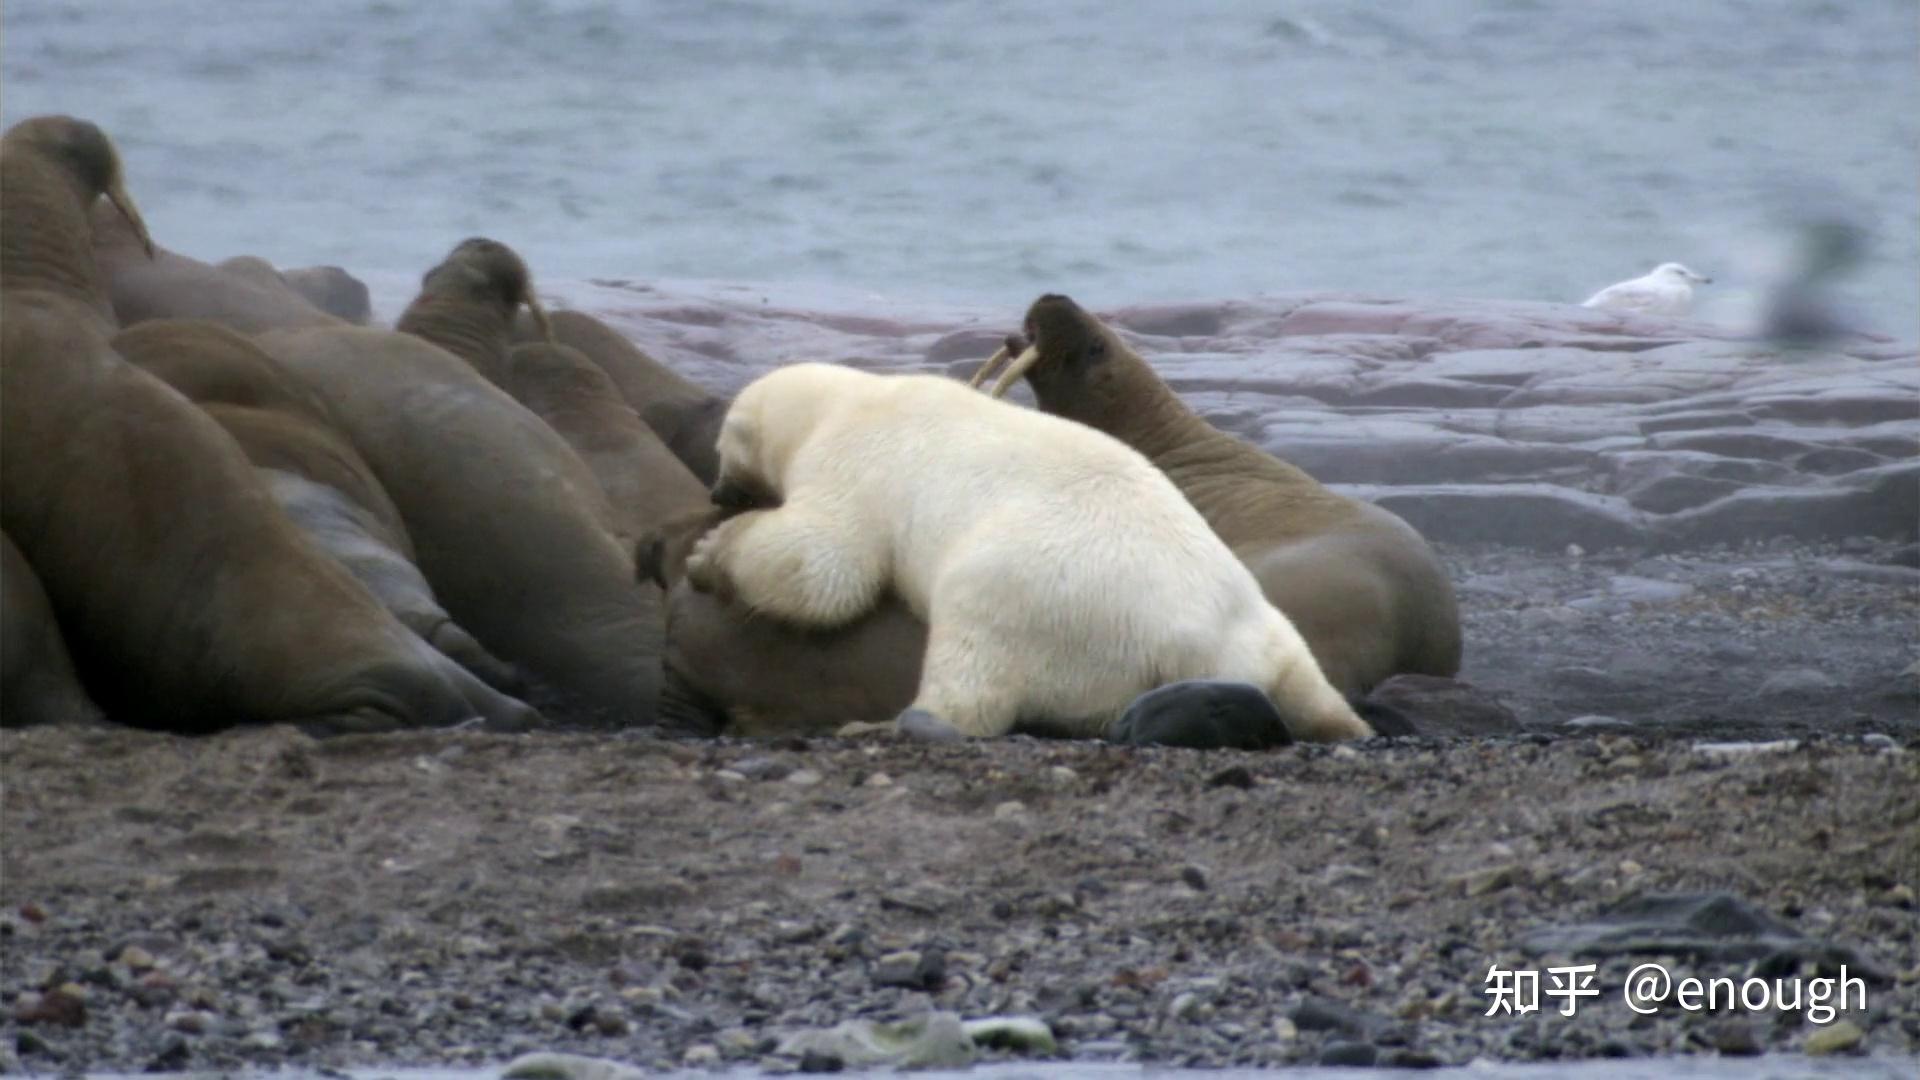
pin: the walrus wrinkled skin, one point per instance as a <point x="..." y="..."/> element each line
<point x="319" y="480"/>
<point x="1364" y="589"/>
<point x="727" y="672"/>
<point x="684" y="416"/>
<point x="643" y="481"/>
<point x="168" y="285"/>
<point x="188" y="600"/>
<point x="37" y="681"/>
<point x="509" y="526"/>
<point x="467" y="302"/>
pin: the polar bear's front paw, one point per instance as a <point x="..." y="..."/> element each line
<point x="707" y="563"/>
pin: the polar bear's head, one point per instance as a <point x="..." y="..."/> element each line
<point x="768" y="423"/>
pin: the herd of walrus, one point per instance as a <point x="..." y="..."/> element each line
<point x="228" y="499"/>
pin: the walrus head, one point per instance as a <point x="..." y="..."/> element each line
<point x="1071" y="359"/>
<point x="84" y="154"/>
<point x="487" y="272"/>
<point x="661" y="555"/>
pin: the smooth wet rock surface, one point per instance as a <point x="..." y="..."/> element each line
<point x="1477" y="421"/>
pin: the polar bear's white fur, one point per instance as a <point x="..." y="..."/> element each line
<point x="1059" y="573"/>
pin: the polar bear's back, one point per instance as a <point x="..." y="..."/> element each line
<point x="1046" y="538"/>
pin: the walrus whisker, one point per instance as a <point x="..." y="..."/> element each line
<point x="1017" y="370"/>
<point x="117" y="194"/>
<point x="986" y="369"/>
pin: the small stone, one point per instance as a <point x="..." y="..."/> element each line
<point x="1575" y="551"/>
<point x="1023" y="1034"/>
<point x="1798" y="682"/>
<point x="1234" y="776"/>
<point x="1012" y="808"/>
<point x="803" y="778"/>
<point x="1837" y="1037"/>
<point x="1062" y="775"/>
<point x="700" y="1056"/>
<point x="609" y="1023"/>
<point x="173" y="1056"/>
<point x="263" y="1041"/>
<point x="59" y="1006"/>
<point x="1355" y="1054"/>
<point x="1629" y="868"/>
<point x="1493" y="879"/>
<point x="879" y="779"/>
<point x="1734" y="1038"/>
<point x="1900" y="896"/>
<point x="816" y="1061"/>
<point x="1189" y="1007"/>
<point x="136" y="958"/>
<point x="1194" y="877"/>
<point x="1595" y="721"/>
<point x="1285" y="1030"/>
<point x="189" y="1021"/>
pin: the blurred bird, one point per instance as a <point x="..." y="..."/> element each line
<point x="1668" y="290"/>
<point x="1801" y="310"/>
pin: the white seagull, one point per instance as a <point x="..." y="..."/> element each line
<point x="1668" y="290"/>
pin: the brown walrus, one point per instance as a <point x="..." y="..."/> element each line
<point x="169" y="285"/>
<point x="510" y="527"/>
<point x="329" y="288"/>
<point x="684" y="416"/>
<point x="643" y="481"/>
<point x="467" y="302"/>
<point x="187" y="599"/>
<point x="57" y="167"/>
<point x="35" y="670"/>
<point x="1364" y="589"/>
<point x="317" y="477"/>
<point x="729" y="672"/>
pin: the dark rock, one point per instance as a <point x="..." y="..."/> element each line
<point x="1668" y="494"/>
<point x="1696" y="420"/>
<point x="1356" y="1054"/>
<point x="1315" y="1013"/>
<point x="1527" y="515"/>
<point x="1445" y="707"/>
<point x="1402" y="1058"/>
<point x="1799" y="682"/>
<point x="1734" y="444"/>
<point x="1194" y="877"/>
<point x="1237" y="776"/>
<point x="1734" y="1038"/>
<point x="815" y="1061"/>
<point x="173" y="1056"/>
<point x="1171" y="320"/>
<point x="1833" y="460"/>
<point x="1874" y="502"/>
<point x="969" y="347"/>
<point x="1704" y="926"/>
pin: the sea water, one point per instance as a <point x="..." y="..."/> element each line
<point x="983" y="151"/>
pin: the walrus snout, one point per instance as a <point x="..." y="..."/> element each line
<point x="736" y="492"/>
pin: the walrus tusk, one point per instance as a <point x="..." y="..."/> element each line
<point x="123" y="202"/>
<point x="1016" y="370"/>
<point x="986" y="369"/>
<point x="540" y="318"/>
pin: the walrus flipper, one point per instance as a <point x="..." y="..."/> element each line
<point x="1203" y="714"/>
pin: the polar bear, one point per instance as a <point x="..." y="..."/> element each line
<point x="1061" y="576"/>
